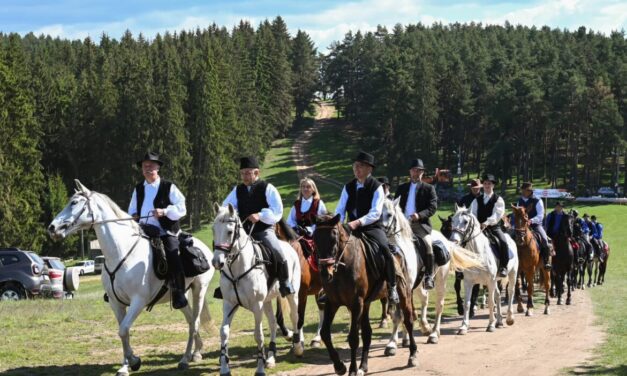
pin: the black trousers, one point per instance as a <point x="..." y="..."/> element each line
<point x="171" y="247"/>
<point x="381" y="239"/>
<point x="503" y="247"/>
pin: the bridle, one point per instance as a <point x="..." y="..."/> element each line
<point x="336" y="258"/>
<point x="389" y="229"/>
<point x="467" y="234"/>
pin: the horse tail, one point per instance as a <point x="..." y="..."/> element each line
<point x="461" y="259"/>
<point x="205" y="316"/>
<point x="288" y="232"/>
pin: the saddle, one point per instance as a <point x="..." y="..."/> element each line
<point x="495" y="247"/>
<point x="268" y="259"/>
<point x="441" y="254"/>
<point x="309" y="252"/>
<point x="375" y="260"/>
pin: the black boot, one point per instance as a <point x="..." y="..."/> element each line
<point x="428" y="281"/>
<point x="391" y="280"/>
<point x="178" y="292"/>
<point x="285" y="286"/>
<point x="546" y="257"/>
<point x="217" y="293"/>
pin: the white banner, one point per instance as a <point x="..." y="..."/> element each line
<point x="551" y="193"/>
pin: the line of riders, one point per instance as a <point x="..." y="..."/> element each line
<point x="158" y="205"/>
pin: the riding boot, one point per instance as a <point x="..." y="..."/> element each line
<point x="178" y="292"/>
<point x="322" y="297"/>
<point x="285" y="286"/>
<point x="428" y="281"/>
<point x="391" y="280"/>
<point x="545" y="252"/>
<point x="217" y="293"/>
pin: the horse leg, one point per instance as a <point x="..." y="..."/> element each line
<point x="497" y="302"/>
<point x="257" y="310"/>
<point x="125" y="320"/>
<point x="440" y="286"/>
<point x="559" y="286"/>
<point x="407" y="307"/>
<point x="390" y="348"/>
<point x="384" y="314"/>
<point x="228" y="312"/>
<point x="510" y="300"/>
<point x="192" y="331"/>
<point x="468" y="286"/>
<point x="530" y="290"/>
<point x="424" y="301"/>
<point x="546" y="276"/>
<point x="298" y="345"/>
<point x="280" y="320"/>
<point x="569" y="286"/>
<point x="458" y="295"/>
<point x="473" y="299"/>
<point x="353" y="334"/>
<point x="302" y="308"/>
<point x="272" y="325"/>
<point x="315" y="342"/>
<point x="329" y="314"/>
<point x="492" y="291"/>
<point x="366" y="339"/>
<point x="481" y="295"/>
<point x="518" y="295"/>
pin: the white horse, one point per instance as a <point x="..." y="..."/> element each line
<point x="131" y="284"/>
<point x="243" y="282"/>
<point x="399" y="233"/>
<point x="467" y="232"/>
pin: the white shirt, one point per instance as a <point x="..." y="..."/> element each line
<point x="305" y="204"/>
<point x="175" y="211"/>
<point x="269" y="215"/>
<point x="376" y="208"/>
<point x="539" y="218"/>
<point x="497" y="212"/>
<point x="410" y="206"/>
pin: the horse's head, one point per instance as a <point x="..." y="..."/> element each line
<point x="463" y="225"/>
<point x="521" y="224"/>
<point x="77" y="214"/>
<point x="388" y="215"/>
<point x="329" y="237"/>
<point x="227" y="229"/>
<point x="447" y="226"/>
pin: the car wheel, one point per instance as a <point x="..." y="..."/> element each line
<point x="12" y="291"/>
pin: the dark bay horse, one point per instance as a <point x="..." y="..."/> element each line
<point x="583" y="254"/>
<point x="348" y="282"/>
<point x="605" y="255"/>
<point x="563" y="261"/>
<point x="310" y="284"/>
<point x="530" y="261"/>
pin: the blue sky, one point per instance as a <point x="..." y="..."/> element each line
<point x="324" y="20"/>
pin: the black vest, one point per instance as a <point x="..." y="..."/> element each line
<point x="485" y="210"/>
<point x="530" y="206"/>
<point x="252" y="202"/>
<point x="162" y="200"/>
<point x="467" y="200"/>
<point x="361" y="202"/>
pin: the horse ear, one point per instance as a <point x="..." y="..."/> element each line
<point x="81" y="188"/>
<point x="231" y="210"/>
<point x="335" y="220"/>
<point x="216" y="209"/>
<point x="514" y="206"/>
<point x="456" y="208"/>
<point x="397" y="201"/>
<point x="441" y="219"/>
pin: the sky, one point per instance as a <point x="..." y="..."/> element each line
<point x="324" y="20"/>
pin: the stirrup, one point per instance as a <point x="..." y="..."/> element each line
<point x="548" y="266"/>
<point x="393" y="295"/>
<point x="428" y="283"/>
<point x="502" y="272"/>
<point x="285" y="288"/>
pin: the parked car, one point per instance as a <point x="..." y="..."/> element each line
<point x="55" y="269"/>
<point x="21" y="274"/>
<point x="607" y="192"/>
<point x="85" y="267"/>
<point x="98" y="264"/>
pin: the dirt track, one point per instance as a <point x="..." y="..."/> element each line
<point x="537" y="345"/>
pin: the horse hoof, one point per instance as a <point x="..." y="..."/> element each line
<point x="490" y="329"/>
<point x="340" y="369"/>
<point x="559" y="302"/>
<point x="135" y="363"/>
<point x="433" y="340"/>
<point x="390" y="351"/>
<point x="510" y="321"/>
<point x="225" y="374"/>
<point x="529" y="313"/>
<point x="299" y="349"/>
<point x="405" y="342"/>
<point x="121" y="374"/>
<point x="567" y="301"/>
<point x="183" y="366"/>
<point x="361" y="372"/>
<point x="260" y="373"/>
<point x="471" y="314"/>
<point x="270" y="362"/>
<point x="520" y="309"/>
<point x="383" y="324"/>
<point x="315" y="344"/>
<point x="197" y="357"/>
<point x="413" y="361"/>
<point x="461" y="332"/>
<point x="499" y="324"/>
<point x="546" y="311"/>
<point x="289" y="335"/>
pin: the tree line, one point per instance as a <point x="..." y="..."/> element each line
<point x="90" y="109"/>
<point x="526" y="103"/>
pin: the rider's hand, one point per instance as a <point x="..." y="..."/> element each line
<point x="354" y="224"/>
<point x="415" y="217"/>
<point x="483" y="226"/>
<point x="254" y="218"/>
<point x="158" y="213"/>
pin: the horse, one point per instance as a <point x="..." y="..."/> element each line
<point x="400" y="234"/>
<point x="563" y="262"/>
<point x="584" y="256"/>
<point x="244" y="283"/>
<point x="466" y="231"/>
<point x="529" y="261"/>
<point x="310" y="284"/>
<point x="130" y="281"/>
<point x="347" y="281"/>
<point x="599" y="262"/>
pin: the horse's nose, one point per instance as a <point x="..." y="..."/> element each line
<point x="51" y="228"/>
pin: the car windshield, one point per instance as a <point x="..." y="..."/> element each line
<point x="56" y="264"/>
<point x="100" y="260"/>
<point x="80" y="263"/>
<point x="36" y="258"/>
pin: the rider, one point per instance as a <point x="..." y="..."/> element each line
<point x="592" y="232"/>
<point x="307" y="207"/>
<point x="535" y="212"/>
<point x="489" y="208"/>
<point x="362" y="198"/>
<point x="260" y="207"/>
<point x="598" y="236"/>
<point x="555" y="223"/>
<point x="419" y="202"/>
<point x="475" y="191"/>
<point x="164" y="205"/>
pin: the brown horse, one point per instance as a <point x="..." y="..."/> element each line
<point x="529" y="261"/>
<point x="348" y="282"/>
<point x="310" y="284"/>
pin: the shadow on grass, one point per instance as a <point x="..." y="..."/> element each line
<point x="599" y="370"/>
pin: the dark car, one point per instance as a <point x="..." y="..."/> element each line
<point x="21" y="274"/>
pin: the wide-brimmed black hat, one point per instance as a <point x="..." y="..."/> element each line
<point x="489" y="177"/>
<point x="248" y="162"/>
<point x="366" y="158"/>
<point x="150" y="156"/>
<point x="474" y="183"/>
<point x="526" y="186"/>
<point x="384" y="180"/>
<point x="417" y="163"/>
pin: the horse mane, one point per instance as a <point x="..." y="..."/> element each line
<point x="404" y="222"/>
<point x="290" y="234"/>
<point x="121" y="214"/>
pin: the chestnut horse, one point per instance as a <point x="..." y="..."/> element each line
<point x="348" y="282"/>
<point x="310" y="284"/>
<point x="529" y="261"/>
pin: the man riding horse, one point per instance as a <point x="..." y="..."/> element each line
<point x="597" y="236"/>
<point x="489" y="209"/>
<point x="259" y="207"/>
<point x="158" y="205"/>
<point x="362" y="199"/>
<point x="535" y="212"/>
<point x="557" y="223"/>
<point x="475" y="191"/>
<point x="419" y="202"/>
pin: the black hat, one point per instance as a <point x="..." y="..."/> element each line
<point x="558" y="203"/>
<point x="594" y="217"/>
<point x="366" y="158"/>
<point x="474" y="183"/>
<point x="575" y="213"/>
<point x="150" y="156"/>
<point x="248" y="162"/>
<point x="489" y="177"/>
<point x="417" y="163"/>
<point x="526" y="186"/>
<point x="384" y="180"/>
<point x="585" y="215"/>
